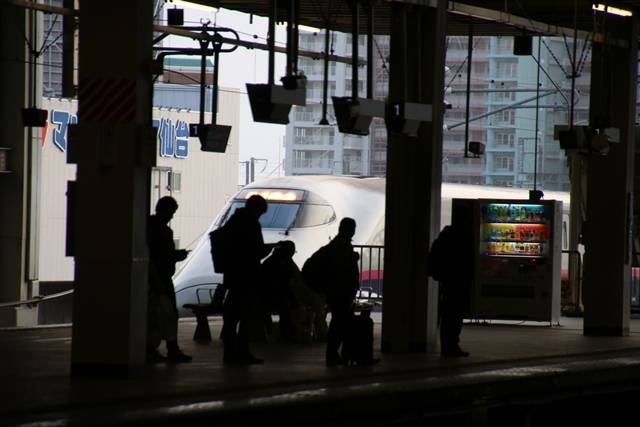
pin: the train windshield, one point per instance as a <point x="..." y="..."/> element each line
<point x="278" y="215"/>
<point x="287" y="209"/>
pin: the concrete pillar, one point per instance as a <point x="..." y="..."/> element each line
<point x="19" y="188"/>
<point x="114" y="94"/>
<point x="413" y="180"/>
<point x="607" y="269"/>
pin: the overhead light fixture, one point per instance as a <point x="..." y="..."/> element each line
<point x="301" y="27"/>
<point x="612" y="10"/>
<point x="213" y="7"/>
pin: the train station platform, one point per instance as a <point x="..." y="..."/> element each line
<point x="518" y="374"/>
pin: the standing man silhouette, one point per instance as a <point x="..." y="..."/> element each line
<point x="342" y="287"/>
<point x="455" y="259"/>
<point x="242" y="279"/>
<point x="163" y="313"/>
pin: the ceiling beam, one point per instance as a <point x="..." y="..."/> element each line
<point x="513" y="20"/>
<point x="250" y="44"/>
<point x="42" y="7"/>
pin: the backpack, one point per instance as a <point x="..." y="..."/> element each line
<point x="439" y="261"/>
<point x="315" y="270"/>
<point x="221" y="248"/>
<point x="451" y="256"/>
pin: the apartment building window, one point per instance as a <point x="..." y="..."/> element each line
<point x="381" y="86"/>
<point x="506" y="95"/>
<point x="361" y="41"/>
<point x="307" y="113"/>
<point x="300" y="159"/>
<point x="310" y="42"/>
<point x="457" y="43"/>
<point x="316" y="89"/>
<point x="505" y="45"/>
<point x="503" y="163"/>
<point x="379" y="155"/>
<point x="309" y="68"/>
<point x="504" y="140"/>
<point x="306" y="159"/>
<point x="506" y="116"/>
<point x="455" y="115"/>
<point x="507" y="69"/>
<point x="313" y="136"/>
<point x="480" y="68"/>
<point x="348" y="87"/>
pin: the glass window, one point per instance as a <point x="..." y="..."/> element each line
<point x="278" y="215"/>
<point x="504" y="140"/>
<point x="503" y="163"/>
<point x="507" y="69"/>
<point x="313" y="215"/>
<point x="175" y="181"/>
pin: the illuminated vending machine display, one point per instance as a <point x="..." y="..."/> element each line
<point x="518" y="262"/>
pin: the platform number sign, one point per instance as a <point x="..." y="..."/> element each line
<point x="397" y="110"/>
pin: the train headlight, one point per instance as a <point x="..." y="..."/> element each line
<point x="283" y="195"/>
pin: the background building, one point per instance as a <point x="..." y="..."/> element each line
<point x="513" y="107"/>
<point x="314" y="148"/>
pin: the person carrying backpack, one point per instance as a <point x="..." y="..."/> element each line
<point x="246" y="249"/>
<point x="451" y="262"/>
<point x="341" y="287"/>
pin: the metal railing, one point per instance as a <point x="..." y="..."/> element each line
<point x="371" y="267"/>
<point x="32" y="302"/>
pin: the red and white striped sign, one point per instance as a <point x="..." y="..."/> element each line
<point x="107" y="100"/>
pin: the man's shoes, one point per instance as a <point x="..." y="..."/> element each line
<point x="177" y="356"/>
<point x="154" y="356"/>
<point x="453" y="352"/>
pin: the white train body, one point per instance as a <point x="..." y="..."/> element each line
<point x="307" y="210"/>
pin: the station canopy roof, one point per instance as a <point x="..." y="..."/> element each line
<point x="482" y="17"/>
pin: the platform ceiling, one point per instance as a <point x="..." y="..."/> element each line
<point x="485" y="17"/>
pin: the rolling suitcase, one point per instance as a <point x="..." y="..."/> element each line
<point x="357" y="347"/>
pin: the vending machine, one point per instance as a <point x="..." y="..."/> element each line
<point x="518" y="259"/>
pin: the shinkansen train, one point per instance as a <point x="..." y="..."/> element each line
<point x="307" y="210"/>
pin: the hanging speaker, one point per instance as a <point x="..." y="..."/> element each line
<point x="522" y="45"/>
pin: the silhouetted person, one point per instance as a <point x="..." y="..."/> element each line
<point x="242" y="278"/>
<point x="457" y="272"/>
<point x="285" y="288"/>
<point x="276" y="294"/>
<point x="342" y="287"/>
<point x="163" y="313"/>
